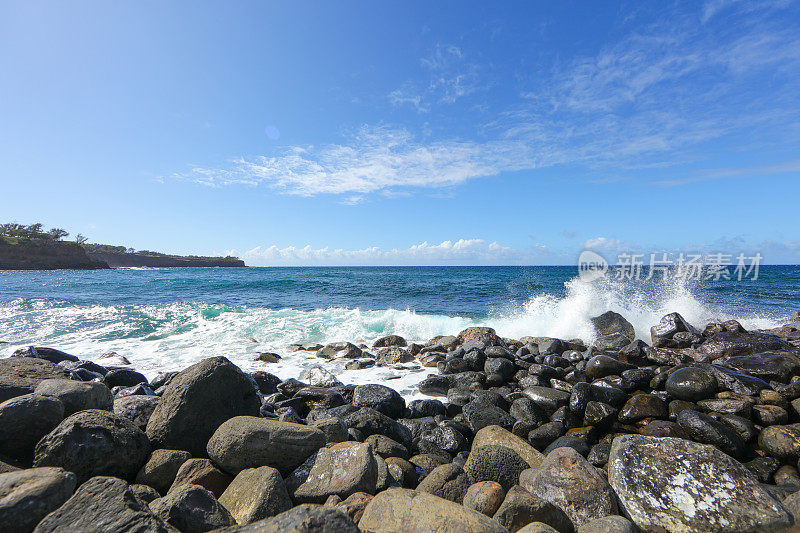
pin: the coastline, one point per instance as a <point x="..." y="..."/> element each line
<point x="507" y="432"/>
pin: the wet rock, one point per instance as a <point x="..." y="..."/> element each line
<point x="103" y="504"/>
<point x="416" y="512"/>
<point x="526" y="410"/>
<point x="575" y="442"/>
<point x="769" y="415"/>
<point x="786" y="476"/>
<point x="702" y="428"/>
<point x="675" y="484"/>
<point x="448" y="481"/>
<point x="542" y="436"/>
<point x="160" y="469"/>
<point x="663" y="428"/>
<point x="137" y="409"/>
<point x="520" y="508"/>
<point x="782" y="442"/>
<point x="267" y="383"/>
<point x="26" y="496"/>
<point x="732" y="344"/>
<point x="21" y="375"/>
<point x="495" y="463"/>
<point x="339" y="350"/>
<point x="611" y="343"/>
<point x="319" y="377"/>
<point x="447" y="439"/>
<point x="763" y="468"/>
<point x="643" y="406"/>
<point x="423" y="408"/>
<point x="569" y="482"/>
<point x="381" y="398"/>
<point x="77" y="395"/>
<point x="368" y="421"/>
<point x="48" y="354"/>
<point x="339" y="472"/>
<point x="662" y="333"/>
<point x="24" y="420"/>
<point x="192" y="509"/>
<point x="267" y="357"/>
<point x="202" y="472"/>
<point x="778" y="366"/>
<point x="249" y="442"/>
<point x="610" y="322"/>
<point x="390" y="340"/>
<point x="691" y="384"/>
<point x="601" y="366"/>
<point x="197" y="401"/>
<point x="546" y="398"/>
<point x="479" y="415"/>
<point x="94" y="442"/>
<point x="599" y="414"/>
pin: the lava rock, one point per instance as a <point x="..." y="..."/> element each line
<point x="197" y="401"/>
<point x="691" y="384"/>
<point x="675" y="484"/>
<point x="202" y="472"/>
<point x="160" y="469"/>
<point x="27" y="496"/>
<point x="495" y="463"/>
<point x="381" y="398"/>
<point x="192" y="509"/>
<point x="702" y="428"/>
<point x="520" y="508"/>
<point x="137" y="409"/>
<point x="339" y="472"/>
<point x="448" y="481"/>
<point x="24" y="420"/>
<point x="21" y="375"/>
<point x="77" y="395"/>
<point x="94" y="442"/>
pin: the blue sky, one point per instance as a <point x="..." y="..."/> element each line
<point x="405" y="132"/>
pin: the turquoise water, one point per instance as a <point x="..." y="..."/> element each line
<point x="169" y="318"/>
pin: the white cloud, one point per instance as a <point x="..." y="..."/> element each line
<point x="460" y="252"/>
<point x="650" y="100"/>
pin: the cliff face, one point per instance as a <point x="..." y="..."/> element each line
<point x="46" y="256"/>
<point x="116" y="260"/>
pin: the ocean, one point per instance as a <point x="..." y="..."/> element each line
<point x="167" y="319"/>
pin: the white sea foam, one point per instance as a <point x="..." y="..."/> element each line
<point x="173" y="336"/>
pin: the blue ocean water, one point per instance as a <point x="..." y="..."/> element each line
<point x="169" y="318"/>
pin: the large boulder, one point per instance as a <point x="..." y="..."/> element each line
<point x="197" y="401"/>
<point x="610" y="323"/>
<point x="192" y="509"/>
<point x="733" y="343"/>
<point x="21" y="375"/>
<point x="769" y="366"/>
<point x="77" y="395"/>
<point x="691" y="384"/>
<point x="249" y="442"/>
<point x="662" y="333"/>
<point x="412" y="511"/>
<point x="48" y="354"/>
<point x="569" y="482"/>
<point x="255" y="494"/>
<point x="94" y="442"/>
<point x="24" y="420"/>
<point x="307" y="518"/>
<point x="670" y="484"/>
<point x="104" y="504"/>
<point x="389" y="340"/>
<point x="26" y="496"/>
<point x="160" y="469"/>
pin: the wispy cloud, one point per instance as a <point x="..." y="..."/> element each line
<point x="733" y="172"/>
<point x="651" y="100"/>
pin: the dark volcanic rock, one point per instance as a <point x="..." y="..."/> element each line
<point x="26" y="496"/>
<point x="255" y="494"/>
<point x="601" y="366"/>
<point x="390" y="340"/>
<point x="137" y="409"/>
<point x="77" y="395"/>
<point x="368" y="422"/>
<point x="308" y="518"/>
<point x="610" y="322"/>
<point x="479" y="415"/>
<point x="94" y="442"/>
<point x="192" y="509"/>
<point x="249" y="442"/>
<point x="546" y="398"/>
<point x="702" y="428"/>
<point x="495" y="463"/>
<point x="661" y="334"/>
<point x="103" y="504"/>
<point x="520" y="508"/>
<point x="160" y="469"/>
<point x="381" y="398"/>
<point x="782" y="442"/>
<point x="569" y="482"/>
<point x="643" y="406"/>
<point x="21" y="375"/>
<point x="415" y="512"/>
<point x="24" y="420"/>
<point x="691" y="384"/>
<point x="197" y="401"/>
<point x="778" y="366"/>
<point x="337" y="471"/>
<point x="202" y="472"/>
<point x="123" y="377"/>
<point x="674" y="484"/>
<point x="731" y="344"/>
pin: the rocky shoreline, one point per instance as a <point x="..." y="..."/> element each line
<point x="697" y="430"/>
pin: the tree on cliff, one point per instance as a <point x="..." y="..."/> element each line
<point x="80" y="239"/>
<point x="57" y="234"/>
